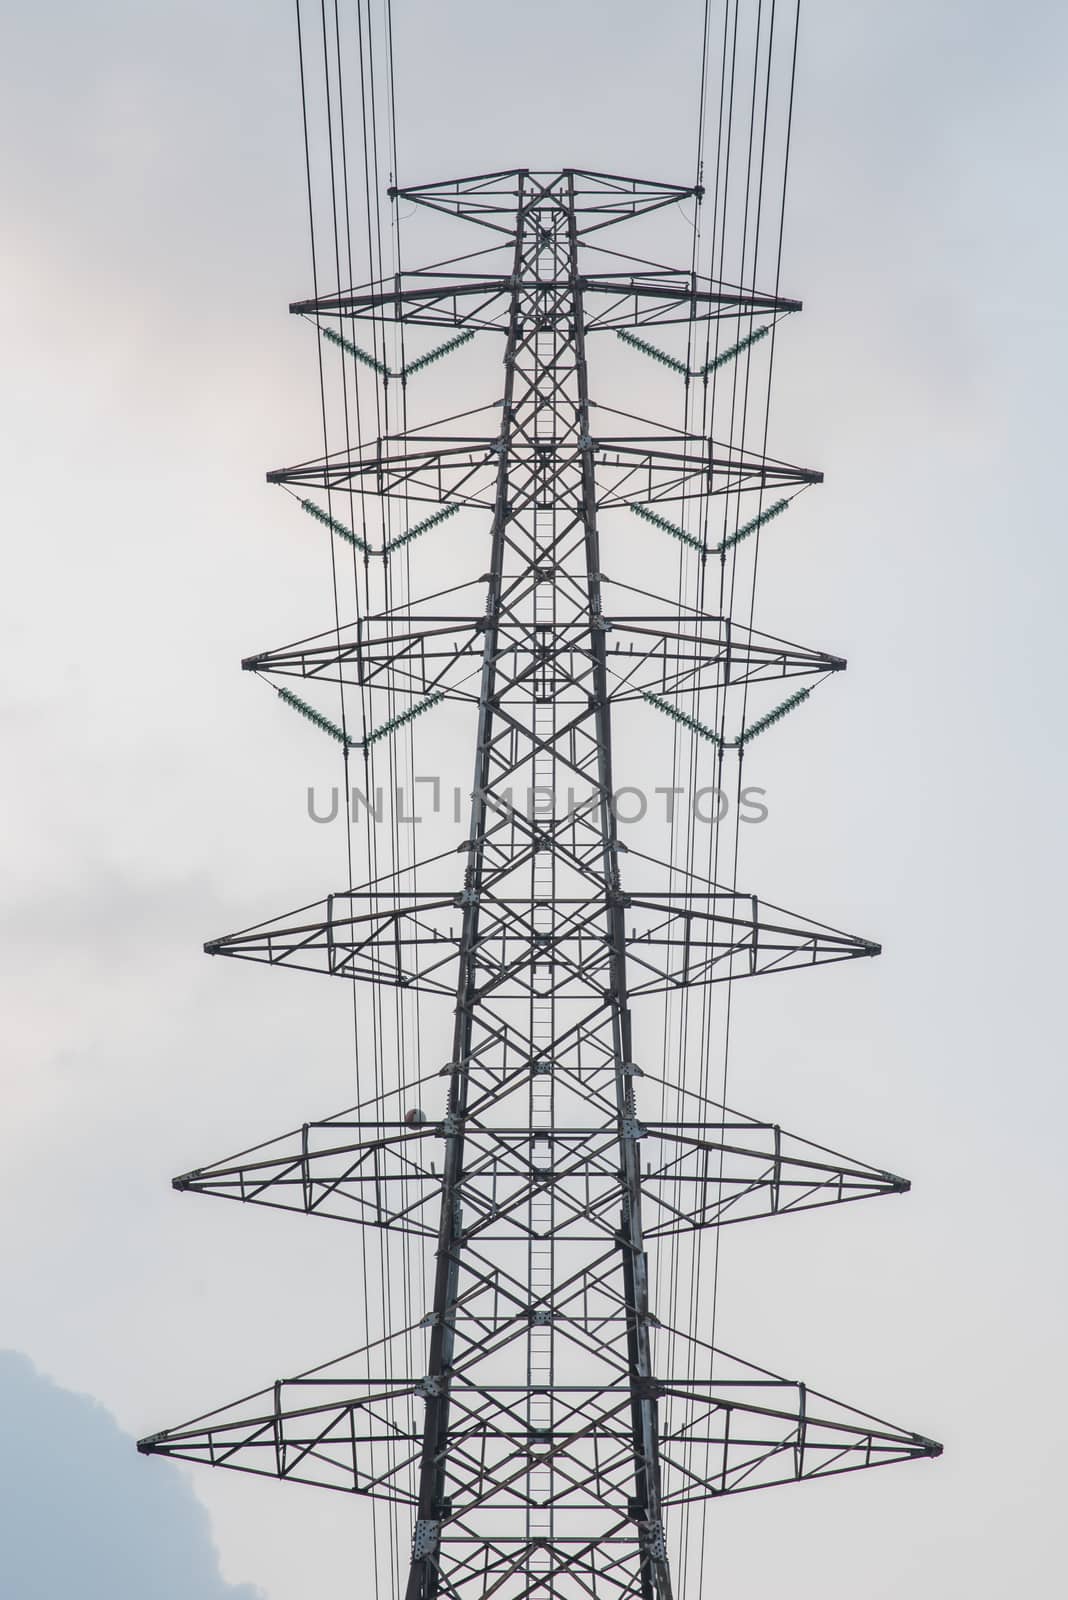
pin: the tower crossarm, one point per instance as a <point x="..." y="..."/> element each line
<point x="694" y="1175"/>
<point x="669" y="653"/>
<point x="615" y="300"/>
<point x="465" y="472"/>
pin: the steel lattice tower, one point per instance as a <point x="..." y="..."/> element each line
<point x="544" y="1445"/>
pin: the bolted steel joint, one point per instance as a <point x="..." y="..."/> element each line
<point x="651" y="1538"/>
<point x="427" y="1538"/>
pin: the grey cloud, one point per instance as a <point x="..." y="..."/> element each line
<point x="84" y="1515"/>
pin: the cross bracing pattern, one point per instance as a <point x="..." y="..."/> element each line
<point x="694" y="1174"/>
<point x="342" y="1432"/>
<point x="670" y="654"/>
<point x="555" y="1425"/>
<point x="416" y="941"/>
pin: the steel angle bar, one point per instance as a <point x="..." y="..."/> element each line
<point x="459" y="472"/>
<point x="669" y="654"/>
<point x="480" y="301"/>
<point x="696" y="937"/>
<point x="381" y="936"/>
<point x="413" y="653"/>
<point x="763" y="1433"/>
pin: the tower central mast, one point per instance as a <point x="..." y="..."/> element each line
<point x="545" y="521"/>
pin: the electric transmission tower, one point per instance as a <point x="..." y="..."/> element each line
<point x="556" y="1426"/>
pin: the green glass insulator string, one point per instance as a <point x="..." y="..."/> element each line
<point x="667" y="527"/>
<point x="346" y="533"/>
<point x="714" y="365"/>
<point x="734" y="352"/>
<point x="652" y="351"/>
<point x="368" y="360"/>
<point x="354" y="351"/>
<point x="771" y="717"/>
<point x="682" y="717"/>
<point x="316" y="717"/>
<point x="435" y="355"/>
<point x="750" y="527"/>
<point x="419" y="529"/>
<point x="403" y="717"/>
<point x="753" y="731"/>
<point x="325" y="725"/>
<point x="765" y="516"/>
<point x="335" y="526"/>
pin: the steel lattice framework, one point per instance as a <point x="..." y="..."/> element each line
<point x="541" y="1449"/>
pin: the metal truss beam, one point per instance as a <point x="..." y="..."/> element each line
<point x="670" y="941"/>
<point x="694" y="1175"/>
<point x="595" y="200"/>
<point x="463" y="472"/>
<point x="670" y="654"/>
<point x="654" y="298"/>
<point x="360" y="1435"/>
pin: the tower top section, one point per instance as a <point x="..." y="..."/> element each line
<point x="599" y="199"/>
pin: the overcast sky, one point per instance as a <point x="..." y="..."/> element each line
<point x="152" y="198"/>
